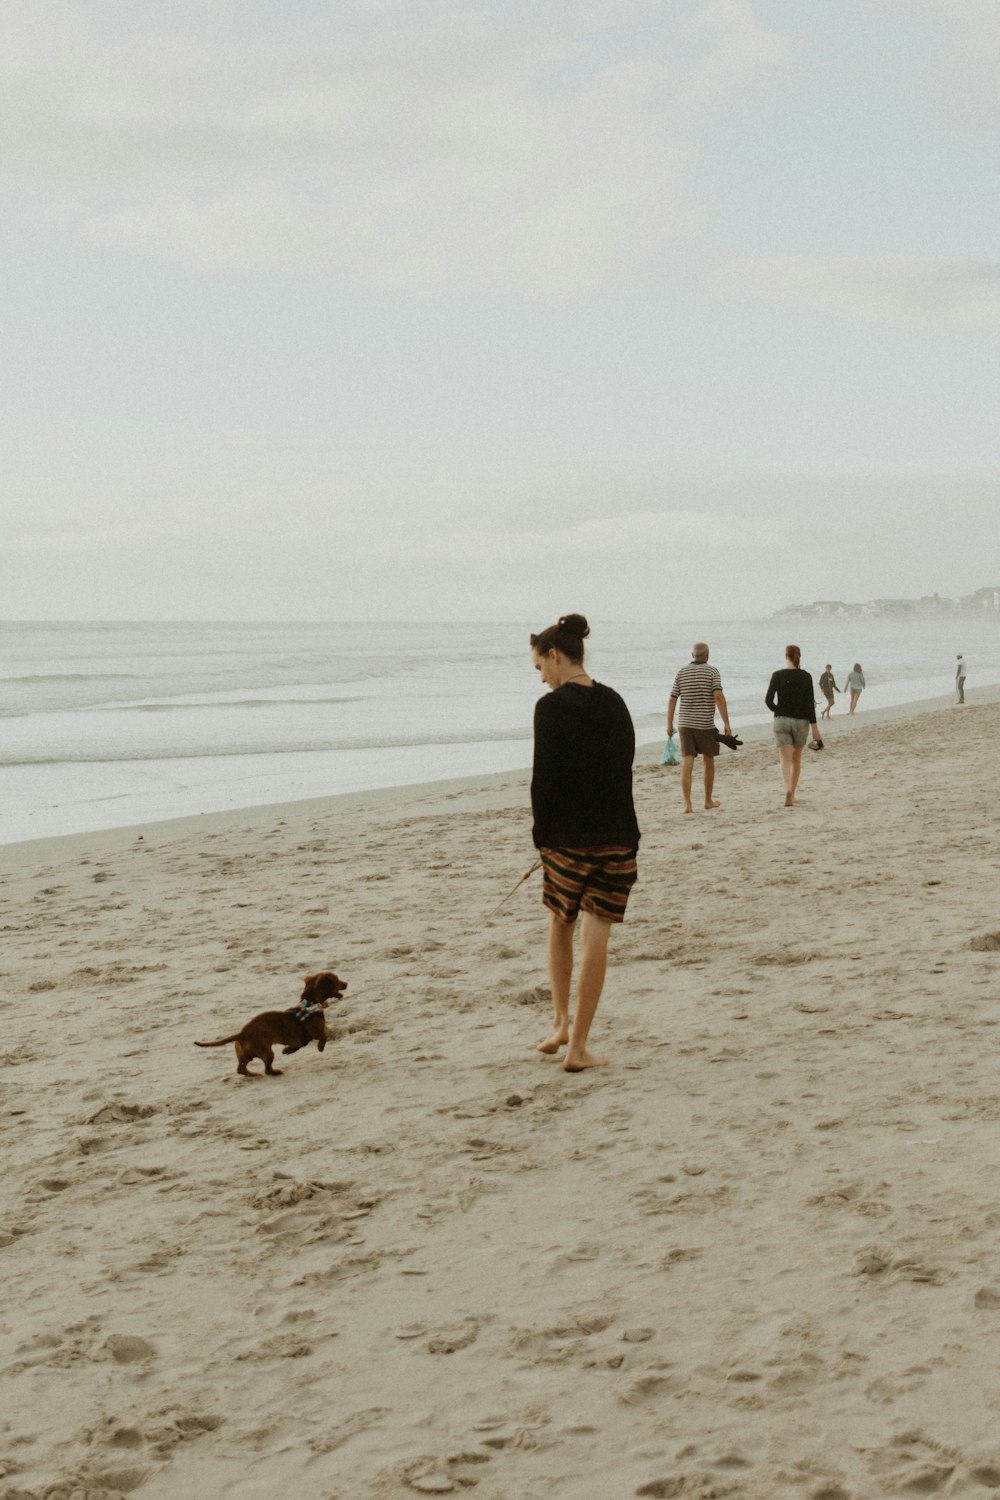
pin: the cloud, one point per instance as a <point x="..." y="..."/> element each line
<point x="741" y="49"/>
<point x="479" y="501"/>
<point x="453" y="155"/>
<point x="283" y="526"/>
<point x="422" y="148"/>
<point x="918" y="292"/>
<point x="604" y="541"/>
<point x="83" y="540"/>
<point x="961" y="85"/>
<point x="958" y="79"/>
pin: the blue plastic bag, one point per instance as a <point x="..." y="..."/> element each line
<point x="671" y="755"/>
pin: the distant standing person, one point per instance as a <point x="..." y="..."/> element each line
<point x="960" y="678"/>
<point x="791" y="698"/>
<point x="698" y="689"/>
<point x="585" y="828"/>
<point x="827" y="687"/>
<point x="855" y="685"/>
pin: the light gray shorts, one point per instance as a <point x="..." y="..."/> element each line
<point x="790" y="731"/>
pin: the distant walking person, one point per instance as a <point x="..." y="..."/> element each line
<point x="585" y="828"/>
<point x="960" y="678"/>
<point x="791" y="697"/>
<point x="855" y="685"/>
<point x="827" y="687"/>
<point x="698" y="689"/>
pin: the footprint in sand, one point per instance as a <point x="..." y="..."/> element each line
<point x="287" y="1192"/>
<point x="450" y="1340"/>
<point x="348" y="1427"/>
<point x="888" y="1388"/>
<point x="661" y="1379"/>
<point x="120" y="1114"/>
<point x="127" y="1349"/>
<point x="886" y="1268"/>
<point x="443" y="1476"/>
<point x="563" y="1343"/>
<point x="915" y="1464"/>
<point x="102" y="1484"/>
<point x="21" y="1054"/>
<point x="582" y="1254"/>
<point x="499" y="1432"/>
<point x="686" y="1484"/>
<point x="345" y="1269"/>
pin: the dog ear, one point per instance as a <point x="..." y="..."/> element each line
<point x="309" y="986"/>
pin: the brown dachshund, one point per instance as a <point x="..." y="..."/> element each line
<point x="291" y="1029"/>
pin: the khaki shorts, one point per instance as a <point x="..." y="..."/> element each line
<point x="698" y="742"/>
<point x="790" y="731"/>
<point x="594" y="880"/>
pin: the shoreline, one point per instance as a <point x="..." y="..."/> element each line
<point x="425" y="795"/>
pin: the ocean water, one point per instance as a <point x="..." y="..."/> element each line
<point x="108" y="725"/>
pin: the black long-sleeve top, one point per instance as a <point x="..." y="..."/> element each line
<point x="791" y="694"/>
<point x="581" y="781"/>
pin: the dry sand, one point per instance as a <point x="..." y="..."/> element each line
<point x="756" y="1256"/>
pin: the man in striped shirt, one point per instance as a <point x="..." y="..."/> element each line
<point x="698" y="688"/>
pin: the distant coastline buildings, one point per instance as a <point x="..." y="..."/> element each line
<point x="983" y="601"/>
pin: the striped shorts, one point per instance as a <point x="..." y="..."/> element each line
<point x="595" y="880"/>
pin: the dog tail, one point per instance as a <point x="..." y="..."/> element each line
<point x="219" y="1041"/>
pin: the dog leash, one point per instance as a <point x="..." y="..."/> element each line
<point x="524" y="877"/>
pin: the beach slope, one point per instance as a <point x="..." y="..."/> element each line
<point x="756" y="1256"/>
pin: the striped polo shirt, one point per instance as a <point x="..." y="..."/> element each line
<point x="694" y="685"/>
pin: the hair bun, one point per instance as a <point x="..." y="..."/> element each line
<point x="575" y="624"/>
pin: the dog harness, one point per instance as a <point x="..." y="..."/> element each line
<point x="303" y="1012"/>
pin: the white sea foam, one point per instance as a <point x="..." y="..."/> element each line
<point x="103" y="725"/>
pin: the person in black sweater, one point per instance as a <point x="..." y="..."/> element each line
<point x="791" y="698"/>
<point x="828" y="686"/>
<point x="584" y="826"/>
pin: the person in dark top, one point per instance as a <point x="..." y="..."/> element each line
<point x="828" y="686"/>
<point x="584" y="827"/>
<point x="792" y="700"/>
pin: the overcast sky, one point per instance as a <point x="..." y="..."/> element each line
<point x="361" y="309"/>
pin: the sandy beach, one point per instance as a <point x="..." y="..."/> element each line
<point x="756" y="1256"/>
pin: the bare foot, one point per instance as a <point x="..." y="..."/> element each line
<point x="789" y="800"/>
<point x="688" y="807"/>
<point x="710" y="805"/>
<point x="576" y="1062"/>
<point x="558" y="1037"/>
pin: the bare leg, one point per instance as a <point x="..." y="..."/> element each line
<point x="709" y="780"/>
<point x="560" y="974"/>
<point x="785" y="758"/>
<point x="687" y="775"/>
<point x="594" y="935"/>
<point x="796" y="768"/>
<point x="854" y="701"/>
